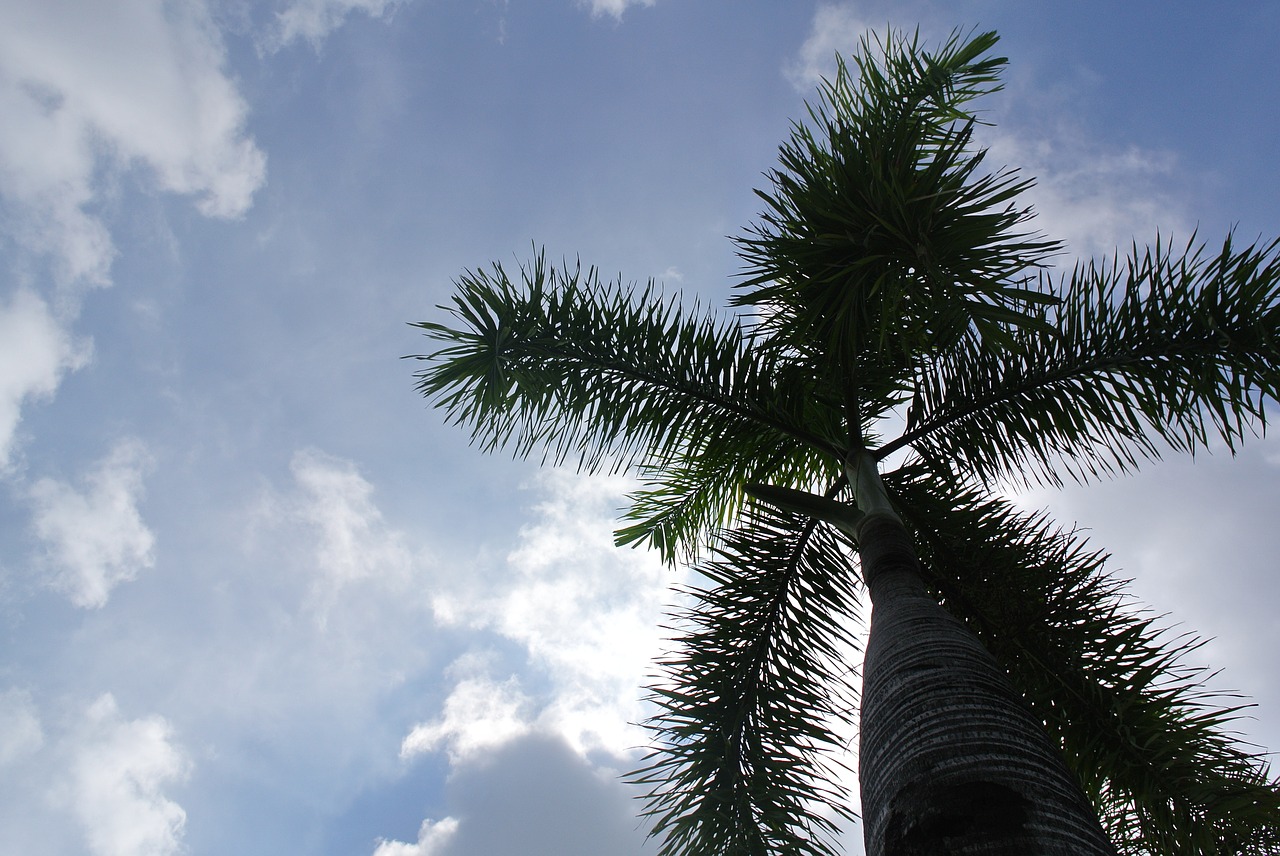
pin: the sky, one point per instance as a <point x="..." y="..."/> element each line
<point x="256" y="597"/>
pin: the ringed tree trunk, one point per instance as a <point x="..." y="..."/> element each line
<point x="950" y="760"/>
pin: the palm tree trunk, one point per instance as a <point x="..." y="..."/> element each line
<point x="951" y="762"/>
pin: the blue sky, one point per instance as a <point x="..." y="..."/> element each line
<point x="255" y="597"/>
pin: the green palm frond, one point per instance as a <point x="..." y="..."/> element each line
<point x="1171" y="347"/>
<point x="688" y="493"/>
<point x="893" y="268"/>
<point x="620" y="378"/>
<point x="684" y="498"/>
<point x="748" y="701"/>
<point x="1150" y="743"/>
<point x="882" y="236"/>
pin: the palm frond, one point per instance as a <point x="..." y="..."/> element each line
<point x="891" y="266"/>
<point x="1168" y="348"/>
<point x="614" y="377"/>
<point x="881" y="234"/>
<point x="1150" y="743"/>
<point x="748" y="701"/>
<point x="684" y="498"/>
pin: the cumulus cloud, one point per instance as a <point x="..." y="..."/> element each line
<point x="118" y="771"/>
<point x="586" y="612"/>
<point x="88" y="88"/>
<point x="313" y="20"/>
<point x="479" y="715"/>
<point x="35" y="352"/>
<point x="89" y="780"/>
<point x="433" y="837"/>
<point x="94" y="536"/>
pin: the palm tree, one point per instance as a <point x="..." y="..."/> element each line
<point x="1013" y="700"/>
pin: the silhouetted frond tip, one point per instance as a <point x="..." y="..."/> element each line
<point x="754" y="703"/>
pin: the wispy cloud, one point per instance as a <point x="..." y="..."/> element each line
<point x="94" y="536"/>
<point x="1095" y="199"/>
<point x="352" y="542"/>
<point x="36" y="350"/>
<point x="342" y="620"/>
<point x="837" y="28"/>
<point x="21" y="733"/>
<point x="612" y="8"/>
<point x="1092" y="197"/>
<point x="314" y="20"/>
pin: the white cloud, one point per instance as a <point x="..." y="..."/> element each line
<point x="613" y="8"/>
<point x="314" y="19"/>
<point x="354" y="542"/>
<point x="35" y="352"/>
<point x="341" y="620"/>
<point x="91" y="88"/>
<point x="479" y="715"/>
<point x="95" y="783"/>
<point x="836" y="29"/>
<point x="433" y="836"/>
<point x="95" y="537"/>
<point x="20" y="732"/>
<point x="586" y="611"/>
<point x="116" y="779"/>
<point x="1093" y="199"/>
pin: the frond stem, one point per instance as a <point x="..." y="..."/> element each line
<point x="693" y="391"/>
<point x="1106" y="364"/>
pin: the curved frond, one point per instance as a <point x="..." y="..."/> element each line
<point x="1149" y="742"/>
<point x="685" y="497"/>
<point x="882" y="236"/>
<point x="748" y="700"/>
<point x="618" y="378"/>
<point x="891" y="266"/>
<point x="1170" y="346"/>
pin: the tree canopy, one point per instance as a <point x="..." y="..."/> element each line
<point x="896" y="299"/>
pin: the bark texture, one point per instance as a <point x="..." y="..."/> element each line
<point x="951" y="762"/>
